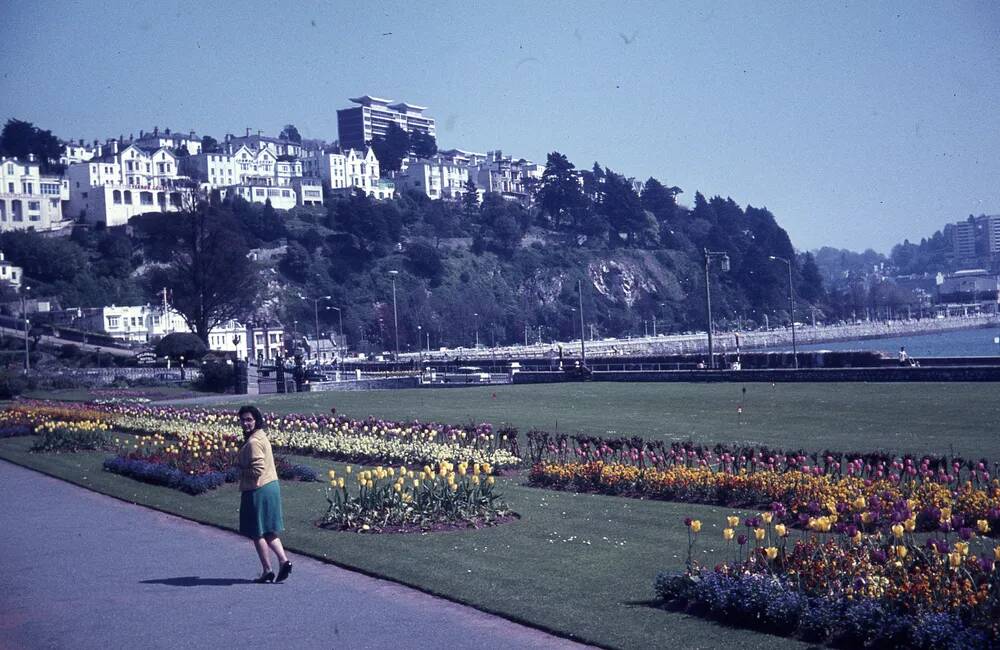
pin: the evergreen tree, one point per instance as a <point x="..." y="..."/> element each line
<point x="560" y="192"/>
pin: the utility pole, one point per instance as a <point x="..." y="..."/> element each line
<point x="583" y="348"/>
<point x="395" y="317"/>
<point x="724" y="265"/>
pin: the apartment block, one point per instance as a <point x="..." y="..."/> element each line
<point x="30" y="200"/>
<point x="371" y="118"/>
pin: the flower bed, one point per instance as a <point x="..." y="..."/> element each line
<point x="56" y="435"/>
<point x="881" y="590"/>
<point x="403" y="500"/>
<point x="369" y="441"/>
<point x="193" y="464"/>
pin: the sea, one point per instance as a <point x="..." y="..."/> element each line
<point x="957" y="343"/>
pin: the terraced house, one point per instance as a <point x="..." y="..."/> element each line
<point x="30" y="200"/>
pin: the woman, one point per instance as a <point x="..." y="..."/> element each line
<point x="260" y="499"/>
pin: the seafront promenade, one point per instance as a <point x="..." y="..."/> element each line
<point x="697" y="343"/>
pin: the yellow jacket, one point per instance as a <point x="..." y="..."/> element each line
<point x="256" y="462"/>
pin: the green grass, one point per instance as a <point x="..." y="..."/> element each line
<point x="919" y="417"/>
<point x="582" y="565"/>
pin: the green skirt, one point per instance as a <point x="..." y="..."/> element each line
<point x="260" y="511"/>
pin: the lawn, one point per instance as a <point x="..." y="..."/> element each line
<point x="929" y="418"/>
<point x="582" y="565"/>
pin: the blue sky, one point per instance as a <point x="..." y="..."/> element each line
<point x="857" y="124"/>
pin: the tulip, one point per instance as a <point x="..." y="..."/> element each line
<point x="766" y="516"/>
<point x="781" y="530"/>
<point x="695" y="526"/>
<point x="771" y="552"/>
<point x="955" y="560"/>
<point x="733" y="521"/>
<point x="758" y="533"/>
<point x="897" y="531"/>
<point x="727" y="534"/>
<point x="983" y="526"/>
<point x="901" y="552"/>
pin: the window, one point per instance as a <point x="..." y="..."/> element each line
<point x="117" y="194"/>
<point x="10" y="187"/>
<point x="112" y="322"/>
<point x="146" y="198"/>
<point x="34" y="206"/>
<point x="128" y="197"/>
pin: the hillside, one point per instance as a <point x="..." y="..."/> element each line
<point x="497" y="268"/>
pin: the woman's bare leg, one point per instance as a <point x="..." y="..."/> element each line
<point x="260" y="545"/>
<point x="275" y="543"/>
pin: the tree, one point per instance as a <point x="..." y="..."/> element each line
<point x="423" y="145"/>
<point x="560" y="193"/>
<point x="470" y="200"/>
<point x="391" y="148"/>
<point x="291" y="134"/>
<point x="811" y="286"/>
<point x="19" y="139"/>
<point x="660" y="200"/>
<point x="209" y="144"/>
<point x="210" y="274"/>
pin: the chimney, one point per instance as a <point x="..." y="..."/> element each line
<point x="31" y="157"/>
<point x="248" y="132"/>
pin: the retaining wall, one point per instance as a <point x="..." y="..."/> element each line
<point x="902" y="374"/>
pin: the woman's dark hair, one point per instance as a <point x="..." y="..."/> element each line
<point x="258" y="417"/>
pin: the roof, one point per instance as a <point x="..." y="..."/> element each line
<point x="368" y="100"/>
<point x="399" y="106"/>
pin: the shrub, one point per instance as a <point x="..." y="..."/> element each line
<point x="216" y="377"/>
<point x="12" y="384"/>
<point x="181" y="344"/>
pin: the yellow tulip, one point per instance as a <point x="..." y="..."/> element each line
<point x="996" y="553"/>
<point x="759" y="533"/>
<point x="897" y="531"/>
<point x="490" y="481"/>
<point x="955" y="560"/>
<point x="416" y="482"/>
<point x="733" y="521"/>
<point x="766" y="516"/>
<point x="348" y="469"/>
<point x="771" y="552"/>
<point x="901" y="552"/>
<point x="454" y="487"/>
<point x="332" y="474"/>
<point x="860" y="503"/>
<point x="781" y="530"/>
<point x="983" y="526"/>
<point x="695" y="525"/>
<point x="727" y="534"/>
<point x="910" y="524"/>
<point x="962" y="547"/>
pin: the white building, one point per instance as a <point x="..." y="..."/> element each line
<point x="347" y="171"/>
<point x="118" y="186"/>
<point x="29" y="200"/>
<point x="310" y="191"/>
<point x="516" y="180"/>
<point x="281" y="198"/>
<point x="437" y="177"/>
<point x="78" y="152"/>
<point x="146" y="323"/>
<point x="10" y="274"/>
<point x="258" y="142"/>
<point x="167" y="140"/>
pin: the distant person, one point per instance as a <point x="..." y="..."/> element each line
<point x="260" y="497"/>
<point x="904" y="358"/>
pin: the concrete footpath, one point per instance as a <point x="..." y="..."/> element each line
<point x="82" y="570"/>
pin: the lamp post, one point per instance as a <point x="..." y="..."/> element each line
<point x="791" y="306"/>
<point x="340" y="317"/>
<point x="476" y="314"/>
<point x="24" y="315"/>
<point x="724" y="265"/>
<point x="315" y="302"/>
<point x="583" y="349"/>
<point x="395" y="318"/>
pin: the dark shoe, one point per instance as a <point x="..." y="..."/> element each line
<point x="264" y="579"/>
<point x="283" y="571"/>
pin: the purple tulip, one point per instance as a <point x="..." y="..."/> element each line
<point x="741" y="539"/>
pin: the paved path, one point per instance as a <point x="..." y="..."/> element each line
<point x="81" y="570"/>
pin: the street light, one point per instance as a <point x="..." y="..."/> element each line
<point x="476" y="314"/>
<point x="315" y="302"/>
<point x="724" y="265"/>
<point x="340" y="317"/>
<point x="395" y="318"/>
<point x="24" y="315"/>
<point x="791" y="306"/>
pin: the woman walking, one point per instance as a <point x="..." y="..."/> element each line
<point x="260" y="498"/>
